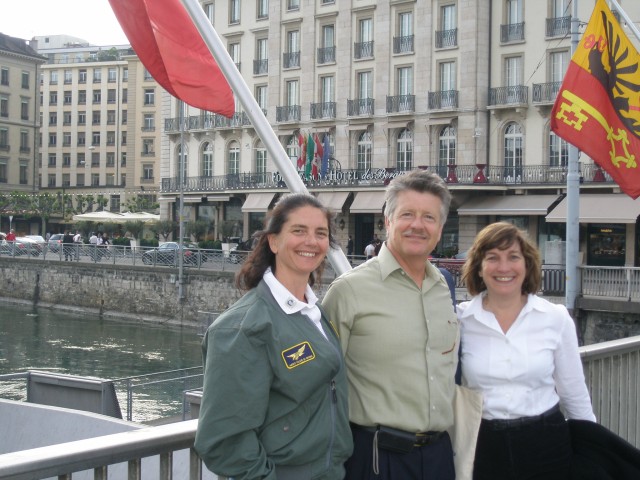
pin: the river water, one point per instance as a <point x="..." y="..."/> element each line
<point x="87" y="345"/>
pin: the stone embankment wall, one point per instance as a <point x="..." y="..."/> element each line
<point x="151" y="294"/>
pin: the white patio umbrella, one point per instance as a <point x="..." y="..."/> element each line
<point x="100" y="217"/>
<point x="141" y="217"/>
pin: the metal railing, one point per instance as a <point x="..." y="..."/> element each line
<point x="611" y="282"/>
<point x="446" y="38"/>
<point x="443" y="99"/>
<point x="611" y="373"/>
<point x="511" y="32"/>
<point x="360" y="106"/>
<point x="403" y="44"/>
<point x="401" y="103"/>
<point x="510" y="95"/>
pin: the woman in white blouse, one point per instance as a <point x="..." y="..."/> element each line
<point x="521" y="352"/>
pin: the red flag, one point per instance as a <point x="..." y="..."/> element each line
<point x="172" y="50"/>
<point x="302" y="147"/>
<point x="317" y="156"/>
<point x="598" y="105"/>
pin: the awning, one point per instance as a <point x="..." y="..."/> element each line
<point x="257" y="202"/>
<point x="358" y="127"/>
<point x="334" y="201"/>
<point x="508" y="205"/>
<point x="200" y="198"/>
<point x="367" y="202"/>
<point x="606" y="208"/>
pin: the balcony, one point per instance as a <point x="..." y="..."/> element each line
<point x="545" y="93"/>
<point x="360" y="107"/>
<point x="146" y="180"/>
<point x="326" y="55"/>
<point x="403" y="44"/>
<point x="288" y="113"/>
<point x="363" y="50"/>
<point x="558" y="27"/>
<point x="514" y="95"/>
<point x="447" y="38"/>
<point x="512" y="32"/>
<point x="238" y="119"/>
<point x="472" y="176"/>
<point x="261" y="66"/>
<point x="445" y="99"/>
<point x="401" y="103"/>
<point x="323" y="110"/>
<point x="291" y="60"/>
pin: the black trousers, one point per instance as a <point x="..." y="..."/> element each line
<point x="541" y="451"/>
<point x="429" y="462"/>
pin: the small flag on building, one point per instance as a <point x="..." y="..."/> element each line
<point x="598" y="106"/>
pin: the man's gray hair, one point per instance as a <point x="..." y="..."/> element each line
<point x="421" y="181"/>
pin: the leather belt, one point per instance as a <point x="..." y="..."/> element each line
<point x="421" y="438"/>
<point x="498" y="424"/>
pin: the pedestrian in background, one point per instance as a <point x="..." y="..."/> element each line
<point x="521" y="352"/>
<point x="274" y="402"/>
<point x="67" y="245"/>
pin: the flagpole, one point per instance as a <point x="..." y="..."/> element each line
<point x="573" y="198"/>
<point x="627" y="19"/>
<point x="258" y="119"/>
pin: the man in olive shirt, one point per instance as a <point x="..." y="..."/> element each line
<point x="400" y="335"/>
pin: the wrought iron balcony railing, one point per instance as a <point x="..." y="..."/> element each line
<point x="323" y="110"/>
<point x="363" y="50"/>
<point x="401" y="103"/>
<point x="360" y="106"/>
<point x="261" y="66"/>
<point x="403" y="44"/>
<point x="511" y="95"/>
<point x="443" y="99"/>
<point x="545" y="92"/>
<point x="291" y="59"/>
<point x="288" y="113"/>
<point x="512" y="32"/>
<point x="326" y="55"/>
<point x="472" y="175"/>
<point x="558" y="26"/>
<point x="447" y="38"/>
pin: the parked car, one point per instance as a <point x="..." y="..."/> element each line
<point x="167" y="254"/>
<point x="55" y="242"/>
<point x="28" y="246"/>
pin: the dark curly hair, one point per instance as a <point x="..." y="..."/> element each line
<point x="261" y="257"/>
<point x="501" y="235"/>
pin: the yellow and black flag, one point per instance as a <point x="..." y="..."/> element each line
<point x="598" y="105"/>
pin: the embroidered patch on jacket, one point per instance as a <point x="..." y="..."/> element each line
<point x="297" y="355"/>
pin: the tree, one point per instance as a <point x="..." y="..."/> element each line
<point x="43" y="205"/>
<point x="134" y="228"/>
<point x="197" y="228"/>
<point x="141" y="203"/>
<point x="86" y="228"/>
<point x="163" y="228"/>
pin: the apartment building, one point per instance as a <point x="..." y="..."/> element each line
<point x="98" y="114"/>
<point x="460" y="87"/>
<point x="19" y="72"/>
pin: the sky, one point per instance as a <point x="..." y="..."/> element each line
<point x="91" y="20"/>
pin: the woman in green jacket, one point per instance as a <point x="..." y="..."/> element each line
<point x="274" y="404"/>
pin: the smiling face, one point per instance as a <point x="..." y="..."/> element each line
<point x="503" y="271"/>
<point x="301" y="245"/>
<point x="415" y="227"/>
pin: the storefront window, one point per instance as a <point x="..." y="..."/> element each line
<point x="606" y="245"/>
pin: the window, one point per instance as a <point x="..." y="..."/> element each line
<point x="53" y="98"/>
<point x="149" y="96"/>
<point x="125" y="94"/>
<point x="97" y="96"/>
<point x="82" y="117"/>
<point x="446" y="150"/>
<point x="66" y="118"/>
<point x="293" y="5"/>
<point x="24" y="109"/>
<point x="51" y="180"/>
<point x="97" y="75"/>
<point x="512" y="71"/>
<point x="80" y="159"/>
<point x="261" y="163"/>
<point x="68" y="77"/>
<point x="81" y="139"/>
<point x="558" y="64"/>
<point x="124" y="116"/>
<point x="82" y="97"/>
<point x="24" y="174"/>
<point x="110" y="179"/>
<point x="147" y="171"/>
<point x="95" y="138"/>
<point x="560" y="8"/>
<point x="233" y="164"/>
<point x="234" y="12"/>
<point x="53" y="77"/>
<point x="448" y="76"/>
<point x="114" y="201"/>
<point x="448" y="17"/>
<point x="4" y="76"/>
<point x="4" y="107"/>
<point x="82" y="76"/>
<point x="365" y="151"/>
<point x="149" y="122"/>
<point x="66" y="180"/>
<point x="95" y="179"/>
<point x="327" y="89"/>
<point x="66" y="139"/>
<point x="327" y="50"/>
<point x="125" y="74"/>
<point x="209" y="11"/>
<point x="513" y="152"/>
<point x="25" y="79"/>
<point x="53" y="139"/>
<point x="147" y="75"/>
<point x="365" y="85"/>
<point x="182" y="163"/>
<point x="207" y="159"/>
<point x="234" y="53"/>
<point x="404" y="150"/>
<point x="263" y="9"/>
<point x="52" y="160"/>
<point x="111" y="117"/>
<point x="112" y="75"/>
<point x="4" y="138"/>
<point x="364" y="49"/>
<point x="514" y="12"/>
<point x="95" y="159"/>
<point x="67" y="97"/>
<point x="405" y="81"/>
<point x="24" y="141"/>
<point x="111" y="138"/>
<point x="3" y="171"/>
<point x="405" y="24"/>
<point x="261" y="96"/>
<point x="558" y="151"/>
<point x="292" y="51"/>
<point x="292" y="93"/>
<point x="123" y="159"/>
<point x="111" y="95"/>
<point x="147" y="147"/>
<point x="262" y="54"/>
<point x="80" y="180"/>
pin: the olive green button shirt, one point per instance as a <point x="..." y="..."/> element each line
<point x="400" y="344"/>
